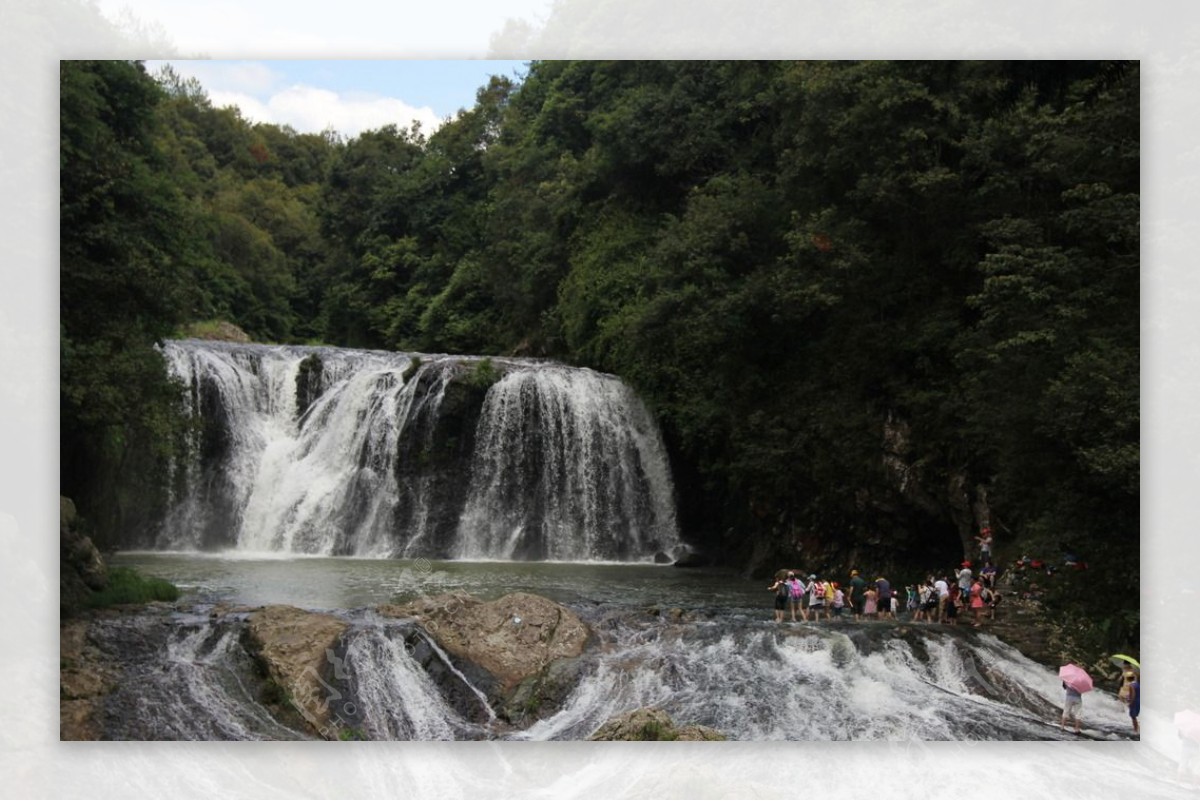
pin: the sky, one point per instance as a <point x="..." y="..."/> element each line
<point x="348" y="96"/>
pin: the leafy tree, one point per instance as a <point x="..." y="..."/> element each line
<point x="125" y="284"/>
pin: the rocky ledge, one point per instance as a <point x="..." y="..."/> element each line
<point x="86" y="677"/>
<point x="525" y="646"/>
<point x="295" y="649"/>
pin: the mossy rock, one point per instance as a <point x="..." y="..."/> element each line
<point x="652" y="724"/>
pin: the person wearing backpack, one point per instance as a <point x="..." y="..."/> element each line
<point x="926" y="602"/>
<point x="795" y="595"/>
<point x="780" y="588"/>
<point x="816" y="597"/>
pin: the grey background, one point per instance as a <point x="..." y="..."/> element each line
<point x="35" y="35"/>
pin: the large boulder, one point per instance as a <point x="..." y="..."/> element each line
<point x="525" y="645"/>
<point x="297" y="650"/>
<point x="651" y="724"/>
<point x="86" y="678"/>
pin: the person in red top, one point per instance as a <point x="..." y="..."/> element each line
<point x="977" y="604"/>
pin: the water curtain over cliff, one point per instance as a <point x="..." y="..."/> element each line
<point x="366" y="453"/>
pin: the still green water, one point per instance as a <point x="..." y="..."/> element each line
<point x="346" y="583"/>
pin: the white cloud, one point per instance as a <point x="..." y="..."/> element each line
<point x="261" y="94"/>
<point x="308" y="109"/>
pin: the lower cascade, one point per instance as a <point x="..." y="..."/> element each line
<point x="193" y="676"/>
<point x="327" y="451"/>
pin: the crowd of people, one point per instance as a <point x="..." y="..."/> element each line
<point x="937" y="598"/>
<point x="944" y="598"/>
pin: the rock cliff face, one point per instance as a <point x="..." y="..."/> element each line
<point x="909" y="512"/>
<point x="524" y="644"/>
<point x="81" y="569"/>
<point x="296" y="649"/>
<point x="432" y="463"/>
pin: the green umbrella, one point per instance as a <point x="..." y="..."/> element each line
<point x="1120" y="660"/>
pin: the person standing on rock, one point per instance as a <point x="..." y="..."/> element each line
<point x="839" y="601"/>
<point x="927" y="601"/>
<point x="952" y="603"/>
<point x="883" y="592"/>
<point x="870" y="603"/>
<point x="795" y="594"/>
<point x="985" y="543"/>
<point x="964" y="578"/>
<point x="857" y="594"/>
<point x="1131" y="694"/>
<point x="858" y="589"/>
<point x="1072" y="706"/>
<point x="941" y="588"/>
<point x="977" y="603"/>
<point x="781" y="590"/>
<point x="816" y="597"/>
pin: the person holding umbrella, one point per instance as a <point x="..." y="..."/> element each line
<point x="1075" y="682"/>
<point x="1131" y="685"/>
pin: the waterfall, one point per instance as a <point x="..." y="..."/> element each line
<point x="189" y="678"/>
<point x="759" y="683"/>
<point x="330" y="451"/>
<point x="590" y="480"/>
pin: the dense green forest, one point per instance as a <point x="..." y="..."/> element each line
<point x="873" y="305"/>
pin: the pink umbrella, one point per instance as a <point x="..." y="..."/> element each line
<point x="1188" y="723"/>
<point x="1076" y="678"/>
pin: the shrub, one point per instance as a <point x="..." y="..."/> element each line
<point x="412" y="369"/>
<point x="483" y="374"/>
<point x="127" y="586"/>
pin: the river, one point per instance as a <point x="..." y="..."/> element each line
<point x="699" y="643"/>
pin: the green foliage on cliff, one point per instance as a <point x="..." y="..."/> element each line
<point x="483" y="374"/>
<point x="791" y="261"/>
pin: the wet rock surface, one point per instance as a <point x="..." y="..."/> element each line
<point x="516" y="640"/>
<point x="86" y="677"/>
<point x="296" y="648"/>
<point x="652" y="724"/>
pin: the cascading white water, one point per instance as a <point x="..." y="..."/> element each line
<point x="567" y="464"/>
<point x="397" y="698"/>
<point x="194" y="682"/>
<point x="819" y="684"/>
<point x="284" y="479"/>
<point x="748" y="680"/>
<point x="589" y="478"/>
